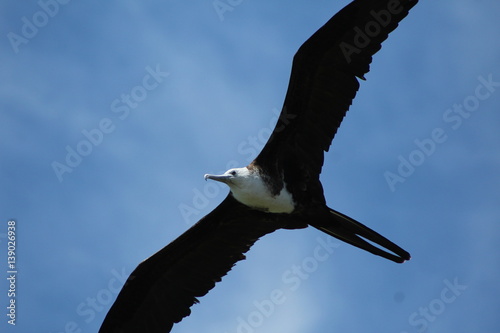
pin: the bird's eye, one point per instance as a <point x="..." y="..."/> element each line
<point x="233" y="173"/>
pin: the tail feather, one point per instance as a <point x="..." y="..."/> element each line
<point x="351" y="231"/>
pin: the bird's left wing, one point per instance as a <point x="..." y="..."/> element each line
<point x="324" y="81"/>
<point x="161" y="290"/>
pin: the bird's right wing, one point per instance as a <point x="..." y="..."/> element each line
<point x="161" y="290"/>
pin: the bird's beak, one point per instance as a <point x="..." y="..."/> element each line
<point x="219" y="178"/>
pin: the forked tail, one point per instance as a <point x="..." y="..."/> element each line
<point x="351" y="231"/>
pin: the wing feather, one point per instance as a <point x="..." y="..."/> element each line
<point x="161" y="290"/>
<point x="324" y="81"/>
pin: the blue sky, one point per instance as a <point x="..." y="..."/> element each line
<point x="156" y="94"/>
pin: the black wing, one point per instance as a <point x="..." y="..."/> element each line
<point x="162" y="288"/>
<point x="324" y="81"/>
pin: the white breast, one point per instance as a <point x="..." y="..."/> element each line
<point x="251" y="190"/>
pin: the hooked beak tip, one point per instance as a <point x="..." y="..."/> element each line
<point x="219" y="178"/>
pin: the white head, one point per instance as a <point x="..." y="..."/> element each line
<point x="248" y="187"/>
<point x="238" y="179"/>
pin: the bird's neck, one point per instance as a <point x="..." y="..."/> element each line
<point x="256" y="191"/>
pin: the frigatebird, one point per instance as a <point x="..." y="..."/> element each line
<point x="281" y="188"/>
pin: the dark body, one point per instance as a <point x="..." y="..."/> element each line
<point x="323" y="83"/>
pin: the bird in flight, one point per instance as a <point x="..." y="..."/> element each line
<point x="281" y="188"/>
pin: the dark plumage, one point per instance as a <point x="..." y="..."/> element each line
<point x="323" y="83"/>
